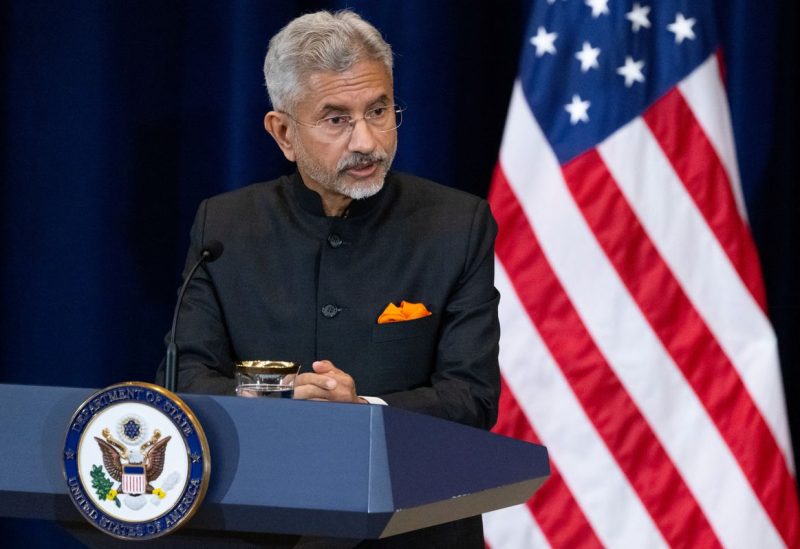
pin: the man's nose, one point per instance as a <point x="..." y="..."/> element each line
<point x="362" y="138"/>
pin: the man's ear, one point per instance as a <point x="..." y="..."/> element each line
<point x="277" y="126"/>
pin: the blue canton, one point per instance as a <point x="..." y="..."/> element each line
<point x="645" y="48"/>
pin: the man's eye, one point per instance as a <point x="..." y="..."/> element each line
<point x="378" y="112"/>
<point x="336" y="120"/>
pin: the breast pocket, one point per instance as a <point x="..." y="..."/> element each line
<point x="403" y="353"/>
<point x="393" y="331"/>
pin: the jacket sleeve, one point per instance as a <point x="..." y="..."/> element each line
<point x="465" y="384"/>
<point x="204" y="357"/>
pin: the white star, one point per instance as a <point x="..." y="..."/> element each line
<point x="682" y="28"/>
<point x="544" y="42"/>
<point x="632" y="71"/>
<point x="599" y="7"/>
<point x="578" y="110"/>
<point x="638" y="17"/>
<point x="588" y="57"/>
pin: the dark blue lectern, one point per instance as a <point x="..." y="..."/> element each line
<point x="290" y="467"/>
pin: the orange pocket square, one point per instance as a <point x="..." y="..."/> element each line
<point x="406" y="311"/>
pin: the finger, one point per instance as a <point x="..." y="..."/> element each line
<point x="344" y="390"/>
<point x="326" y="368"/>
<point x="311" y="392"/>
<point x="317" y="380"/>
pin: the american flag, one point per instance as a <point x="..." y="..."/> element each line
<point x="635" y="343"/>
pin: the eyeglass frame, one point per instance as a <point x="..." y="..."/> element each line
<point x="397" y="108"/>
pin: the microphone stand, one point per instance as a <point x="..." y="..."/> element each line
<point x="171" y="362"/>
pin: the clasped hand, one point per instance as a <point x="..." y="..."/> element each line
<point x="326" y="383"/>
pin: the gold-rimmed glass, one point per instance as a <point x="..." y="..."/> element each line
<point x="266" y="378"/>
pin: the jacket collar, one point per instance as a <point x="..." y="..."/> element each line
<point x="311" y="202"/>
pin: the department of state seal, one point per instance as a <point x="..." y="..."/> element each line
<point x="136" y="461"/>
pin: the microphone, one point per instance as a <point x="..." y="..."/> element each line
<point x="210" y="253"/>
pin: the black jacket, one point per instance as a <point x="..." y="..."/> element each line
<point x="293" y="284"/>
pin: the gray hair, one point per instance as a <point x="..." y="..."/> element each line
<point x="319" y="42"/>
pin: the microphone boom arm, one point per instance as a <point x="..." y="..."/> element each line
<point x="171" y="361"/>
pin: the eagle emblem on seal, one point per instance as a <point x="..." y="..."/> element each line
<point x="134" y="468"/>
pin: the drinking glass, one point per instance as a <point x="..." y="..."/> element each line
<point x="266" y="378"/>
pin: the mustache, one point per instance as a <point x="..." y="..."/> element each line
<point x="359" y="159"/>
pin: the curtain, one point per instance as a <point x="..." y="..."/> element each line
<point x="118" y="118"/>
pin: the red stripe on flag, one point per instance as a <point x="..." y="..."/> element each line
<point x="686" y="337"/>
<point x="613" y="413"/>
<point x="558" y="514"/>
<point x="703" y="174"/>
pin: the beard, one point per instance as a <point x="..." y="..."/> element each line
<point x="337" y="180"/>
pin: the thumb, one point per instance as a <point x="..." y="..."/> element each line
<point x="322" y="366"/>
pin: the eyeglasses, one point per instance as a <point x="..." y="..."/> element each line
<point x="381" y="119"/>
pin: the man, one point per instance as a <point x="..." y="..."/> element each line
<point x="313" y="260"/>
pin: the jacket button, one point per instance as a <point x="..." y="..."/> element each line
<point x="334" y="240"/>
<point x="330" y="311"/>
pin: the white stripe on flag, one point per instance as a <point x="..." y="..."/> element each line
<point x="513" y="527"/>
<point x="683" y="239"/>
<point x="604" y="494"/>
<point x="705" y="94"/>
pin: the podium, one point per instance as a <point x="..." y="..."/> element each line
<point x="290" y="467"/>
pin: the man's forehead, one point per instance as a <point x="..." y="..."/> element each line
<point x="364" y="83"/>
